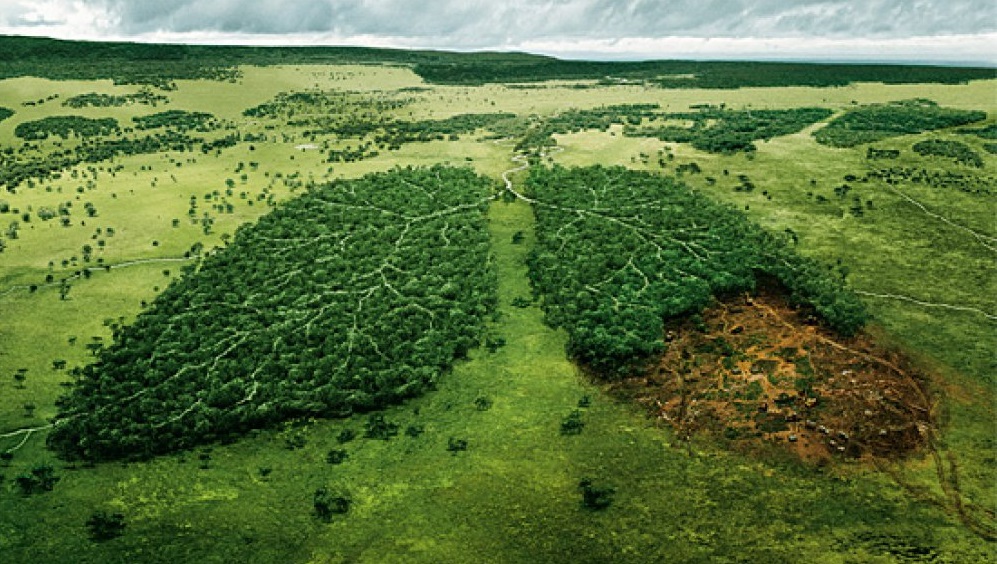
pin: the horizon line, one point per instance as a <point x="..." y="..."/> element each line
<point x="549" y="49"/>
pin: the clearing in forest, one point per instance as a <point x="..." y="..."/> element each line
<point x="753" y="369"/>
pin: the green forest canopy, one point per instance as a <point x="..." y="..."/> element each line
<point x="65" y="126"/>
<point x="351" y="297"/>
<point x="725" y="131"/>
<point x="619" y="252"/>
<point x="956" y="150"/>
<point x="876" y="122"/>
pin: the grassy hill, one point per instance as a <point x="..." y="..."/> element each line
<point x="513" y="453"/>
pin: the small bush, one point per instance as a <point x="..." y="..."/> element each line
<point x="104" y="526"/>
<point x="41" y="478"/>
<point x="336" y="456"/>
<point x="330" y="502"/>
<point x="572" y="424"/>
<point x="456" y="445"/>
<point x="595" y="497"/>
<point x="378" y="428"/>
<point x="346" y="435"/>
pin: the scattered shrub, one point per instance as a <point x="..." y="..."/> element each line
<point x="103" y="526"/>
<point x="595" y="497"/>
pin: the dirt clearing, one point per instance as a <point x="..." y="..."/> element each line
<point x="755" y="370"/>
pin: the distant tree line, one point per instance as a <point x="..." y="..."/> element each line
<point x="351" y="115"/>
<point x="161" y="65"/>
<point x="986" y="132"/>
<point x="540" y="133"/>
<point x="177" y="120"/>
<point x="872" y="153"/>
<point x="973" y="183"/>
<point x="15" y="169"/>
<point x="351" y="155"/>
<point x="688" y="74"/>
<point x="714" y="129"/>
<point x="399" y="132"/>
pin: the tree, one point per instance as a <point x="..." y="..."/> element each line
<point x="595" y="497"/>
<point x="41" y="478"/>
<point x="330" y="502"/>
<point x="19" y="377"/>
<point x="103" y="526"/>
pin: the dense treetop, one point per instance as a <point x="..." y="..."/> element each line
<point x="65" y="126"/>
<point x="619" y="251"/>
<point x="688" y="74"/>
<point x="96" y="100"/>
<point x="956" y="150"/>
<point x="720" y="130"/>
<point x="176" y="119"/>
<point x="351" y="297"/>
<point x="875" y="122"/>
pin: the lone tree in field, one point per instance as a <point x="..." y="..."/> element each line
<point x="104" y="526"/>
<point x="331" y="502"/>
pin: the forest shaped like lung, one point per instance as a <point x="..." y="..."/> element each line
<point x="351" y="297"/>
<point x="620" y="252"/>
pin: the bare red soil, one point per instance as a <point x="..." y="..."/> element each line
<point x="755" y="371"/>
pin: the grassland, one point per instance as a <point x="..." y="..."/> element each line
<point x="919" y="256"/>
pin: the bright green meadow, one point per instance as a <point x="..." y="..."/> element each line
<point x="920" y="254"/>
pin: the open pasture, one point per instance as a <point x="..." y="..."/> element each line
<point x="518" y="454"/>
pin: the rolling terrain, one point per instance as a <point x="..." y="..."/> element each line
<point x="368" y="306"/>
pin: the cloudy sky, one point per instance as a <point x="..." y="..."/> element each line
<point x="956" y="31"/>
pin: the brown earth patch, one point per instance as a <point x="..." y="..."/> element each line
<point x="754" y="371"/>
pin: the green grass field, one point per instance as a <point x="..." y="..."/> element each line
<point x="921" y="257"/>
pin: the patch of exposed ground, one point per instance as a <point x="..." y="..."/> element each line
<point x="754" y="370"/>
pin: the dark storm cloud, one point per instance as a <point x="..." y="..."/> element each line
<point x="475" y="23"/>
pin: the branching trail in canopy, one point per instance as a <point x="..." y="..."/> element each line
<point x="620" y="251"/>
<point x="351" y="297"/>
